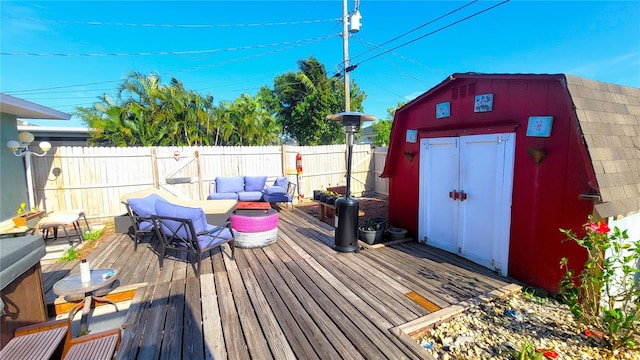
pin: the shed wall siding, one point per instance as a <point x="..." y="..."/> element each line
<point x="545" y="195"/>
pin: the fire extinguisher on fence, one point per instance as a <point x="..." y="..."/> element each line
<point x="299" y="173"/>
<point x="299" y="164"/>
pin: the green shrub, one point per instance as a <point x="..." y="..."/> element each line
<point x="606" y="294"/>
<point x="69" y="255"/>
<point x="93" y="234"/>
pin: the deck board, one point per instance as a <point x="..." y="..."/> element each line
<point x="296" y="299"/>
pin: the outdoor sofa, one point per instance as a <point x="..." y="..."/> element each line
<point x="252" y="188"/>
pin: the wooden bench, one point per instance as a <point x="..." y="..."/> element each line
<point x="325" y="210"/>
<point x="53" y="340"/>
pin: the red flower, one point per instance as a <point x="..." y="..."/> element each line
<point x="599" y="227"/>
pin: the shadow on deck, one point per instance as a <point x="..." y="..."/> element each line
<point x="296" y="299"/>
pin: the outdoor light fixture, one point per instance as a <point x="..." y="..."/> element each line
<point x="20" y="148"/>
<point x="346" y="237"/>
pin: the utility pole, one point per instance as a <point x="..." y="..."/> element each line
<point x="345" y="53"/>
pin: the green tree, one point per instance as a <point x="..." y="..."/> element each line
<point x="251" y="123"/>
<point x="147" y="113"/>
<point x="302" y="100"/>
<point x="382" y="128"/>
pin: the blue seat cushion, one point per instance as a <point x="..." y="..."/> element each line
<point x="254" y="183"/>
<point x="222" y="196"/>
<point x="229" y="184"/>
<point x="273" y="190"/>
<point x="146" y="225"/>
<point x="273" y="198"/>
<point x="145" y="206"/>
<point x="250" y="195"/>
<point x="216" y="236"/>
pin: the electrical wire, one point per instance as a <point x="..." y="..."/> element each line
<point x="168" y="73"/>
<point x="146" y="25"/>
<point x="368" y="43"/>
<point x="433" y="32"/>
<point x="416" y="28"/>
<point x="190" y="52"/>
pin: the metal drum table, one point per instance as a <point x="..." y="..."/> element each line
<point x="255" y="228"/>
<point x="72" y="286"/>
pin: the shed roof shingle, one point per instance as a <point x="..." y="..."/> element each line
<point x="609" y="116"/>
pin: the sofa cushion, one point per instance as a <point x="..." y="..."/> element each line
<point x="273" y="190"/>
<point x="229" y="184"/>
<point x="145" y="206"/>
<point x="282" y="182"/>
<point x="223" y="196"/>
<point x="254" y="183"/>
<point x="250" y="195"/>
<point x="196" y="215"/>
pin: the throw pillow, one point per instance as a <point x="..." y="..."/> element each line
<point x="282" y="181"/>
<point x="254" y="183"/>
<point x="229" y="184"/>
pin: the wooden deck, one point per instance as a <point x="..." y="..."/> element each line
<point x="296" y="299"/>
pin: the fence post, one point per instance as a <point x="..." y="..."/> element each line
<point x="283" y="158"/>
<point x="154" y="167"/>
<point x="199" y="171"/>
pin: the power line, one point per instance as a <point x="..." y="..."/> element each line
<point x="367" y="43"/>
<point x="191" y="52"/>
<point x="433" y="32"/>
<point x="147" y="25"/>
<point x="167" y="73"/>
<point x="416" y="28"/>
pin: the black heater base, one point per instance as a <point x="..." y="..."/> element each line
<point x="346" y="237"/>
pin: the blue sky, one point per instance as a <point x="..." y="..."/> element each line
<point x="226" y="48"/>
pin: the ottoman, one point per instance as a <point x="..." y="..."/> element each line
<point x="255" y="228"/>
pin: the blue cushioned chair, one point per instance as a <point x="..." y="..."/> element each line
<point x="185" y="229"/>
<point x="140" y="210"/>
<point x="281" y="191"/>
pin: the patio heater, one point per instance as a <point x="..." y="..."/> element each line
<point x="346" y="236"/>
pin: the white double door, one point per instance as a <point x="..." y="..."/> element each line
<point x="465" y="196"/>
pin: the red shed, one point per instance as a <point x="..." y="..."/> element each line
<point x="491" y="166"/>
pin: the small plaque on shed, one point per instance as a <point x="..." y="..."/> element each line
<point x="539" y="126"/>
<point x="483" y="103"/>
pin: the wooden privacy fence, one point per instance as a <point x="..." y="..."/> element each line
<point x="94" y="178"/>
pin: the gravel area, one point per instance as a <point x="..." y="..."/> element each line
<point x="495" y="329"/>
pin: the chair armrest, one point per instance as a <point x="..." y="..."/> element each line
<point x="217" y="228"/>
<point x="30" y="329"/>
<point x="291" y="188"/>
<point x="91" y="337"/>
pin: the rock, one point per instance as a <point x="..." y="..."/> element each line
<point x="494" y="330"/>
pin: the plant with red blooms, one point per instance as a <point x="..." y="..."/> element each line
<point x="606" y="294"/>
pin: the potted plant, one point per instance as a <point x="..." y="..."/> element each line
<point x="396" y="233"/>
<point x="24" y="217"/>
<point x="316" y="194"/>
<point x="372" y="231"/>
<point x="331" y="197"/>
